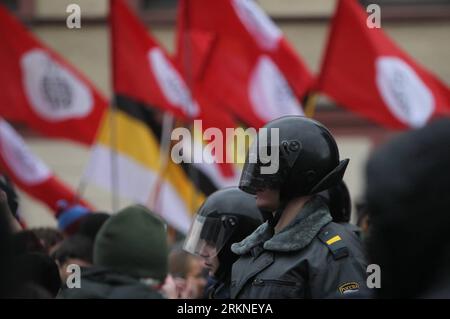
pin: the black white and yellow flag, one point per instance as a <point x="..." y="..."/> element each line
<point x="127" y="160"/>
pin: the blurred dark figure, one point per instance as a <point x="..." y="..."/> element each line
<point x="12" y="199"/>
<point x="37" y="270"/>
<point x="408" y="199"/>
<point x="26" y="241"/>
<point x="6" y="282"/>
<point x="75" y="250"/>
<point x="91" y="224"/>
<point x="30" y="290"/>
<point x="362" y="217"/>
<point x="10" y="219"/>
<point x="130" y="258"/>
<point x="25" y="270"/>
<point x="227" y="216"/>
<point x="188" y="273"/>
<point x="49" y="237"/>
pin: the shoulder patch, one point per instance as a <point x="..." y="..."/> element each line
<point x="334" y="243"/>
<point x="348" y="287"/>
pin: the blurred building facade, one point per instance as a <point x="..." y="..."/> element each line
<point x="421" y="27"/>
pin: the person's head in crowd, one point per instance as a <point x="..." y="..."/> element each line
<point x="70" y="215"/>
<point x="408" y="202"/>
<point x="35" y="269"/>
<point x="305" y="159"/>
<point x="339" y="202"/>
<point x="129" y="259"/>
<point x="188" y="272"/>
<point x="91" y="224"/>
<point x="227" y="216"/>
<point x="133" y="242"/>
<point x="75" y="250"/>
<point x="26" y="241"/>
<point x="49" y="237"/>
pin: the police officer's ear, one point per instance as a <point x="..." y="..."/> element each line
<point x="331" y="178"/>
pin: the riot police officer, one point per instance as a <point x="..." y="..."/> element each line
<point x="299" y="252"/>
<point x="227" y="216"/>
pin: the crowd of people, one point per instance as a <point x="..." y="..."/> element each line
<point x="282" y="235"/>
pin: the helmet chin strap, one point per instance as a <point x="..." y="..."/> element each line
<point x="273" y="221"/>
<point x="267" y="215"/>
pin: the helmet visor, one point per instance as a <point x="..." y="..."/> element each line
<point x="208" y="235"/>
<point x="253" y="177"/>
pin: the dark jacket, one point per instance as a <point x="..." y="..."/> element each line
<point x="312" y="257"/>
<point x="101" y="283"/>
<point x="218" y="289"/>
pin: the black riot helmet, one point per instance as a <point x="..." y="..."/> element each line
<point x="339" y="202"/>
<point x="227" y="216"/>
<point x="308" y="159"/>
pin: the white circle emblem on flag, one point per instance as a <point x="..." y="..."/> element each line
<point x="52" y="90"/>
<point x="171" y="83"/>
<point x="404" y="93"/>
<point x="269" y="93"/>
<point x="28" y="169"/>
<point x="256" y="21"/>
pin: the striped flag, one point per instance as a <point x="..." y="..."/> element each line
<point x="127" y="158"/>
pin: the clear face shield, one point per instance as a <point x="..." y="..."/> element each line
<point x="209" y="234"/>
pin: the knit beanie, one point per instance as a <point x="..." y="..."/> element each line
<point x="133" y="242"/>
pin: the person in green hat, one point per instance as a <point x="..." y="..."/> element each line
<point x="130" y="258"/>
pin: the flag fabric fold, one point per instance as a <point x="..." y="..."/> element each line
<point x="42" y="90"/>
<point x="366" y="72"/>
<point x="30" y="173"/>
<point x="142" y="68"/>
<point x="237" y="58"/>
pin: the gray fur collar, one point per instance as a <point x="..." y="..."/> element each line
<point x="295" y="236"/>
